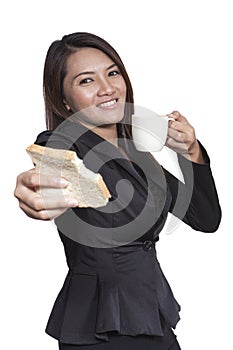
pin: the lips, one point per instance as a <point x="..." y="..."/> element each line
<point x="108" y="104"/>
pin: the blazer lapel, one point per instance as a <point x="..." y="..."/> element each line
<point x="96" y="151"/>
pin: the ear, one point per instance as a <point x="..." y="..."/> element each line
<point x="66" y="105"/>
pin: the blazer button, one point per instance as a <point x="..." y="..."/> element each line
<point x="147" y="245"/>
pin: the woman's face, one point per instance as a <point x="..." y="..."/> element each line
<point x="94" y="85"/>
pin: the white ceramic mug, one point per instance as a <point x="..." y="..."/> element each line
<point x="150" y="132"/>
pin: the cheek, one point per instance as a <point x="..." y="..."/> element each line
<point x="80" y="100"/>
<point x="123" y="89"/>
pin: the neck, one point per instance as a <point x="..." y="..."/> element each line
<point x="107" y="132"/>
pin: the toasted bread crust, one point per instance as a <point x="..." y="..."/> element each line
<point x="51" y="152"/>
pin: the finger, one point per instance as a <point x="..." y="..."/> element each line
<point x="42" y="208"/>
<point x="42" y="214"/>
<point x="177" y="116"/>
<point x="183" y="127"/>
<point x="176" y="135"/>
<point x="33" y="179"/>
<point x="40" y="202"/>
<point x="178" y="147"/>
<point x="176" y="125"/>
<point x="57" y="202"/>
<point x="52" y="181"/>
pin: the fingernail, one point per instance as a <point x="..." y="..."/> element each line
<point x="72" y="203"/>
<point x="62" y="182"/>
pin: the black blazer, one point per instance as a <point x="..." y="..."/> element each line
<point x="115" y="282"/>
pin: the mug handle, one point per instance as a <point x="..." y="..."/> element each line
<point x="169" y="118"/>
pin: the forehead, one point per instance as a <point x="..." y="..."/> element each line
<point x="88" y="59"/>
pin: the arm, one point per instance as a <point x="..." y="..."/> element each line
<point x="33" y="203"/>
<point x="196" y="201"/>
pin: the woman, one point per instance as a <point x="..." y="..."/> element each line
<point x="115" y="295"/>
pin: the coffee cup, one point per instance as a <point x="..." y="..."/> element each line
<point x="150" y="131"/>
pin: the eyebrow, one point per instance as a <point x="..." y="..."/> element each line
<point x="89" y="72"/>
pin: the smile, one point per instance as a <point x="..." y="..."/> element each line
<point x="108" y="104"/>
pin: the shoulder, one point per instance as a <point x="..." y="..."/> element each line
<point x="43" y="137"/>
<point x="55" y="139"/>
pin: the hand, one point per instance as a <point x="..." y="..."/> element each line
<point x="34" y="204"/>
<point x="182" y="138"/>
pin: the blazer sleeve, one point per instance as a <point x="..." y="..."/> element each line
<point x="195" y="201"/>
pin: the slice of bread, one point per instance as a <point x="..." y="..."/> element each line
<point x="87" y="187"/>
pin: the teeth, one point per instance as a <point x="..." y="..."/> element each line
<point x="107" y="104"/>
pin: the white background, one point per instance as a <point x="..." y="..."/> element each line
<point x="179" y="56"/>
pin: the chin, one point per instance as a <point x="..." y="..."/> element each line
<point x="110" y="117"/>
<point x="105" y="117"/>
<point x="111" y="121"/>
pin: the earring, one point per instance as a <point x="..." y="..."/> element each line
<point x="67" y="106"/>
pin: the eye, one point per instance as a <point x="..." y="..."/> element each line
<point x="85" y="81"/>
<point x="114" y="73"/>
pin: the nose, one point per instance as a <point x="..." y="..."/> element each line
<point x="106" y="88"/>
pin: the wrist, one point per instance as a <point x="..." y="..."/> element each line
<point x="194" y="153"/>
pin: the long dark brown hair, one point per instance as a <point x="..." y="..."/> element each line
<point x="55" y="72"/>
